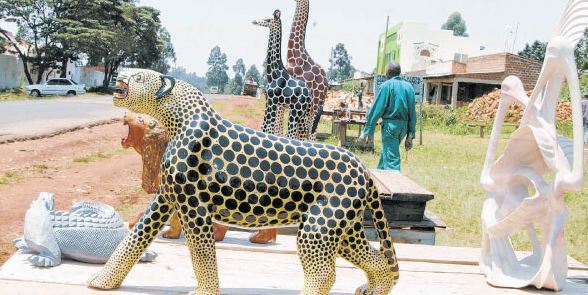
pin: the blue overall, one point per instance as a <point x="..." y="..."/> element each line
<point x="395" y="104"/>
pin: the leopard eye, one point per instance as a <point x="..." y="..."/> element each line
<point x="139" y="78"/>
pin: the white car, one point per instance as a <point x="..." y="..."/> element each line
<point x="213" y="90"/>
<point x="57" y="86"/>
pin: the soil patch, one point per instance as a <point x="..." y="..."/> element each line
<point x="83" y="165"/>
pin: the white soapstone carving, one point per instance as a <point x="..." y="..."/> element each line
<point x="518" y="194"/>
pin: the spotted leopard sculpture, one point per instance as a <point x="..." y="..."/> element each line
<point x="283" y="91"/>
<point x="89" y="233"/>
<point x="215" y="170"/>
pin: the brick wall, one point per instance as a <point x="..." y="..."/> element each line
<point x="498" y="76"/>
<point x="458" y="67"/>
<point x="487" y="63"/>
<point x="526" y="69"/>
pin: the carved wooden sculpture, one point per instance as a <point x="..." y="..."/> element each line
<point x="302" y="67"/>
<point x="216" y="170"/>
<point x="282" y="89"/>
<point x="149" y="140"/>
<point x="533" y="151"/>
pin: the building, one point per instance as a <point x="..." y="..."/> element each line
<point x="415" y="47"/>
<point x="457" y="83"/>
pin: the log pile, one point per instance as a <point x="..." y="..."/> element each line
<point x="484" y="109"/>
<point x="335" y="98"/>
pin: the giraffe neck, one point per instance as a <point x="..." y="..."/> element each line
<point x="274" y="52"/>
<point x="299" y="24"/>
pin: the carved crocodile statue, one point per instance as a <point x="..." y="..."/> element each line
<point x="89" y="233"/>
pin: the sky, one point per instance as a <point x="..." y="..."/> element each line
<point x="197" y="26"/>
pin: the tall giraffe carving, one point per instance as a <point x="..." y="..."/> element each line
<point x="282" y="89"/>
<point x="301" y="66"/>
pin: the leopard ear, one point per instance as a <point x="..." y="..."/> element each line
<point x="167" y="85"/>
<point x="277" y="14"/>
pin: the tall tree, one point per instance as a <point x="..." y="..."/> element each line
<point x="535" y="51"/>
<point x="239" y="67"/>
<point x="217" y="69"/>
<point x="341" y="62"/>
<point x="168" y="52"/>
<point x="581" y="54"/>
<point x="456" y="24"/>
<point x="136" y="42"/>
<point x="36" y="23"/>
<point x="254" y="73"/>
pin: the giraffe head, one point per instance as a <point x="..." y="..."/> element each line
<point x="270" y="21"/>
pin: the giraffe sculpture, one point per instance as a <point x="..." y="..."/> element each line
<point x="282" y="89"/>
<point x="301" y="66"/>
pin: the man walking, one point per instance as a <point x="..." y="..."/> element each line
<point x="395" y="104"/>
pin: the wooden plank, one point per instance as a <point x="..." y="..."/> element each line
<point x="401" y="187"/>
<point x="253" y="273"/>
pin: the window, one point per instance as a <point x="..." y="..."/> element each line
<point x="53" y="82"/>
<point x="425" y="53"/>
<point x="64" y="82"/>
<point x="73" y="82"/>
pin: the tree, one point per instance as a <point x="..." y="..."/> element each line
<point x="239" y="67"/>
<point x="341" y="64"/>
<point x="456" y="24"/>
<point x="581" y="54"/>
<point x="36" y="23"/>
<point x="137" y="45"/>
<point x="217" y="69"/>
<point x="235" y="86"/>
<point x="190" y="77"/>
<point x="167" y="54"/>
<point x="535" y="51"/>
<point x="253" y="72"/>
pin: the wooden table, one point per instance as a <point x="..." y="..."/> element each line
<point x="335" y="115"/>
<point x="404" y="204"/>
<point x="342" y="134"/>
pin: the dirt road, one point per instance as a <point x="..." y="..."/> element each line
<point x="87" y="164"/>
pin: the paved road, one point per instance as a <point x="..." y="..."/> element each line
<point x="37" y="118"/>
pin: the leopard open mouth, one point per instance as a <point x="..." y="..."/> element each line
<point x="121" y="90"/>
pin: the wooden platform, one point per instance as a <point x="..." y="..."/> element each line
<point x="273" y="269"/>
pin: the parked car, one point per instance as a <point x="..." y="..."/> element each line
<point x="213" y="90"/>
<point x="57" y="86"/>
<point x="111" y="87"/>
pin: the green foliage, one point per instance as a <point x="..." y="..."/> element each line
<point x="190" y="77"/>
<point x="353" y="86"/>
<point x="340" y="64"/>
<point x="254" y="73"/>
<point x="235" y="86"/>
<point x="581" y="54"/>
<point x="217" y="69"/>
<point x="168" y="52"/>
<point x="565" y="92"/>
<point x="239" y="68"/>
<point x="535" y="51"/>
<point x="456" y="24"/>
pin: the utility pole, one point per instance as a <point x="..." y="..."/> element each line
<point x="515" y="37"/>
<point x="331" y="67"/>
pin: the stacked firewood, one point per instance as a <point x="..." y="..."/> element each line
<point x="351" y="100"/>
<point x="484" y="109"/>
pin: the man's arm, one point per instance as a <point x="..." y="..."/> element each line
<point x="377" y="110"/>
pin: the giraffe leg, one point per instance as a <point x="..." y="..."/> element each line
<point x="293" y="121"/>
<point x="200" y="238"/>
<point x="129" y="251"/>
<point x="356" y="249"/>
<point x="279" y="126"/>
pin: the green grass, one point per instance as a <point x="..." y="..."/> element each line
<point x="38" y="167"/>
<point x="449" y="165"/>
<point x="100" y="156"/>
<point x="10" y="177"/>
